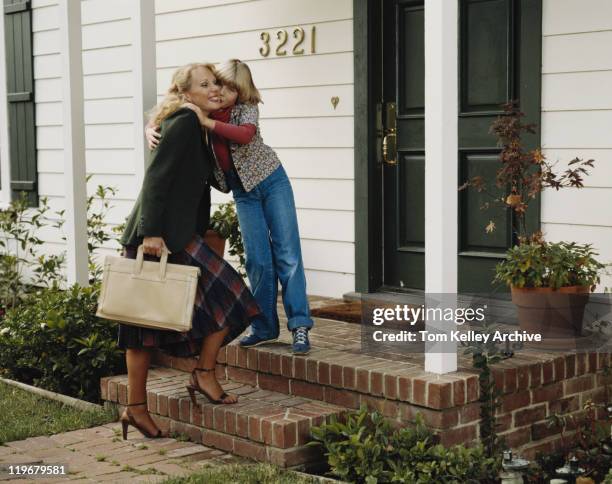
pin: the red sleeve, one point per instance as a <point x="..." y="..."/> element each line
<point x="242" y="134"/>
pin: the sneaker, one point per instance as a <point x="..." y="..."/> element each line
<point x="254" y="340"/>
<point x="301" y="345"/>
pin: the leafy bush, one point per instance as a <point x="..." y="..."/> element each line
<point x="545" y="264"/>
<point x="363" y="448"/>
<point x="54" y="340"/>
<point x="224" y="221"/>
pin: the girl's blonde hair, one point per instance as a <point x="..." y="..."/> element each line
<point x="175" y="96"/>
<point x="237" y="75"/>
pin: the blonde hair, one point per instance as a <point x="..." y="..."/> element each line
<point x="175" y="96"/>
<point x="237" y="75"/>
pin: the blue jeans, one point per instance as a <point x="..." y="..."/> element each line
<point x="268" y="222"/>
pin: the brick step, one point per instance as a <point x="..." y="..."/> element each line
<point x="264" y="425"/>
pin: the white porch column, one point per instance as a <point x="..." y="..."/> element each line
<point x="74" y="142"/>
<point x="145" y="78"/>
<point x="441" y="148"/>
<point x="5" y="163"/>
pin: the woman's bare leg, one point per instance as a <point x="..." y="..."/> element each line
<point x="208" y="359"/>
<point x="138" y="361"/>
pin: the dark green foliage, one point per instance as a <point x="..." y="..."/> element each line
<point x="363" y="448"/>
<point x="54" y="340"/>
<point x="545" y="264"/>
<point x="224" y="221"/>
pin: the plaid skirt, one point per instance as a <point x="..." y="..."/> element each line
<point x="222" y="301"/>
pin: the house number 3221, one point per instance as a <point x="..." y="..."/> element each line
<point x="282" y="39"/>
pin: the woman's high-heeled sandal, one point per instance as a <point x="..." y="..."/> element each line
<point x="194" y="386"/>
<point x="126" y="422"/>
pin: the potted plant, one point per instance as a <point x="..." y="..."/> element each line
<point x="550" y="282"/>
<point x="550" y="285"/>
<point x="224" y="227"/>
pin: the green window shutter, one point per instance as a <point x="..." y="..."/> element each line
<point x="20" y="93"/>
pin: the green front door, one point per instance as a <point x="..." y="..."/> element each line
<point x="499" y="61"/>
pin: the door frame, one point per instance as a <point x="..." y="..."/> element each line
<point x="367" y="93"/>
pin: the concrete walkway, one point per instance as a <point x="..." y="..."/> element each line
<point x="99" y="454"/>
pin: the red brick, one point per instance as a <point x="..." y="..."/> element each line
<point x="510" y="384"/>
<point x="404" y="388"/>
<point x="440" y="395"/>
<point x="522" y="378"/>
<point x="242" y="425"/>
<point x="469" y="413"/>
<point x="152" y="402"/>
<point x="461" y="435"/>
<point x="263" y="361"/>
<point x="122" y="393"/>
<point x="231" y="355"/>
<point x="194" y="433"/>
<point x="162" y="404"/>
<point x="390" y="390"/>
<point x="419" y="390"/>
<point x="559" y="364"/>
<point x="307" y="390"/>
<point x="335" y="375"/>
<point x="342" y="398"/>
<point x="222" y="355"/>
<point x="274" y="383"/>
<point x="547" y="393"/>
<point x="230" y="422"/>
<point x="515" y="400"/>
<point x="241" y="375"/>
<point x="185" y="410"/>
<point x="250" y="450"/>
<point x="592" y="359"/>
<point x="275" y="364"/>
<point x="581" y="364"/>
<point x="284" y="433"/>
<point x="299" y="369"/>
<point x="388" y="408"/>
<point x="294" y="457"/>
<point x="348" y="378"/>
<point x="570" y="366"/>
<point x="498" y="378"/>
<point x="219" y="418"/>
<point x="517" y="438"/>
<point x="255" y="428"/>
<point x="439" y="419"/>
<point x="217" y="440"/>
<point x="241" y="357"/>
<point x="363" y="380"/>
<point x="472" y="389"/>
<point x="173" y="407"/>
<point x="287" y="366"/>
<point x="207" y="410"/>
<point x="312" y="370"/>
<point x="535" y="375"/>
<point x="530" y="415"/>
<point x="547" y="372"/>
<point x="196" y="415"/>
<point x="303" y="432"/>
<point x="541" y="430"/>
<point x="376" y="383"/>
<point x="104" y="387"/>
<point x="323" y="374"/>
<point x="564" y="405"/>
<point x="266" y="429"/>
<point x="503" y="422"/>
<point x="579" y="384"/>
<point x="252" y="359"/>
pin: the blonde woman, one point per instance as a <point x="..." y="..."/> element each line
<point x="171" y="213"/>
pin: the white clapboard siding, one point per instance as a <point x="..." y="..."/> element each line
<point x="328" y="256"/>
<point x="261" y="14"/>
<point x="50" y="161"/>
<point x="48" y="90"/>
<point x="162" y="6"/>
<point x="330" y="38"/>
<point x="318" y="163"/>
<point x="585" y="206"/>
<point x="309" y="70"/>
<point x="45" y="18"/>
<point x="576" y="119"/>
<point x="106" y="136"/>
<point x="312" y="101"/>
<point x="577" y="129"/>
<point x="99" y="11"/>
<point x="124" y="185"/>
<point x="49" y="138"/>
<point x="109" y="111"/>
<point x="47" y="66"/>
<point x="49" y="114"/>
<point x="324" y="194"/>
<point x="324" y="132"/>
<point x="329" y="284"/>
<point x="110" y="161"/>
<point x="571" y="16"/>
<point x="588" y="51"/>
<point x="108" y="34"/>
<point x="108" y="86"/>
<point x="110" y="59"/>
<point x="46" y="42"/>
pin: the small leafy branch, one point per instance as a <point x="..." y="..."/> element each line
<point x="224" y="221"/>
<point x="524" y="173"/>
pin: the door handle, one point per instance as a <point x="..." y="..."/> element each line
<point x="389" y="148"/>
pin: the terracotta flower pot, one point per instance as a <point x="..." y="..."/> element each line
<point x="551" y="313"/>
<point x="215" y="242"/>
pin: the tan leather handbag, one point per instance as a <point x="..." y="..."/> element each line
<point x="148" y="294"/>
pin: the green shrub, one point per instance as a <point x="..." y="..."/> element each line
<point x="363" y="448"/>
<point x="224" y="221"/>
<point x="54" y="340"/>
<point x="545" y="264"/>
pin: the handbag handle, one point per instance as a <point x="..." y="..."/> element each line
<point x="140" y="259"/>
